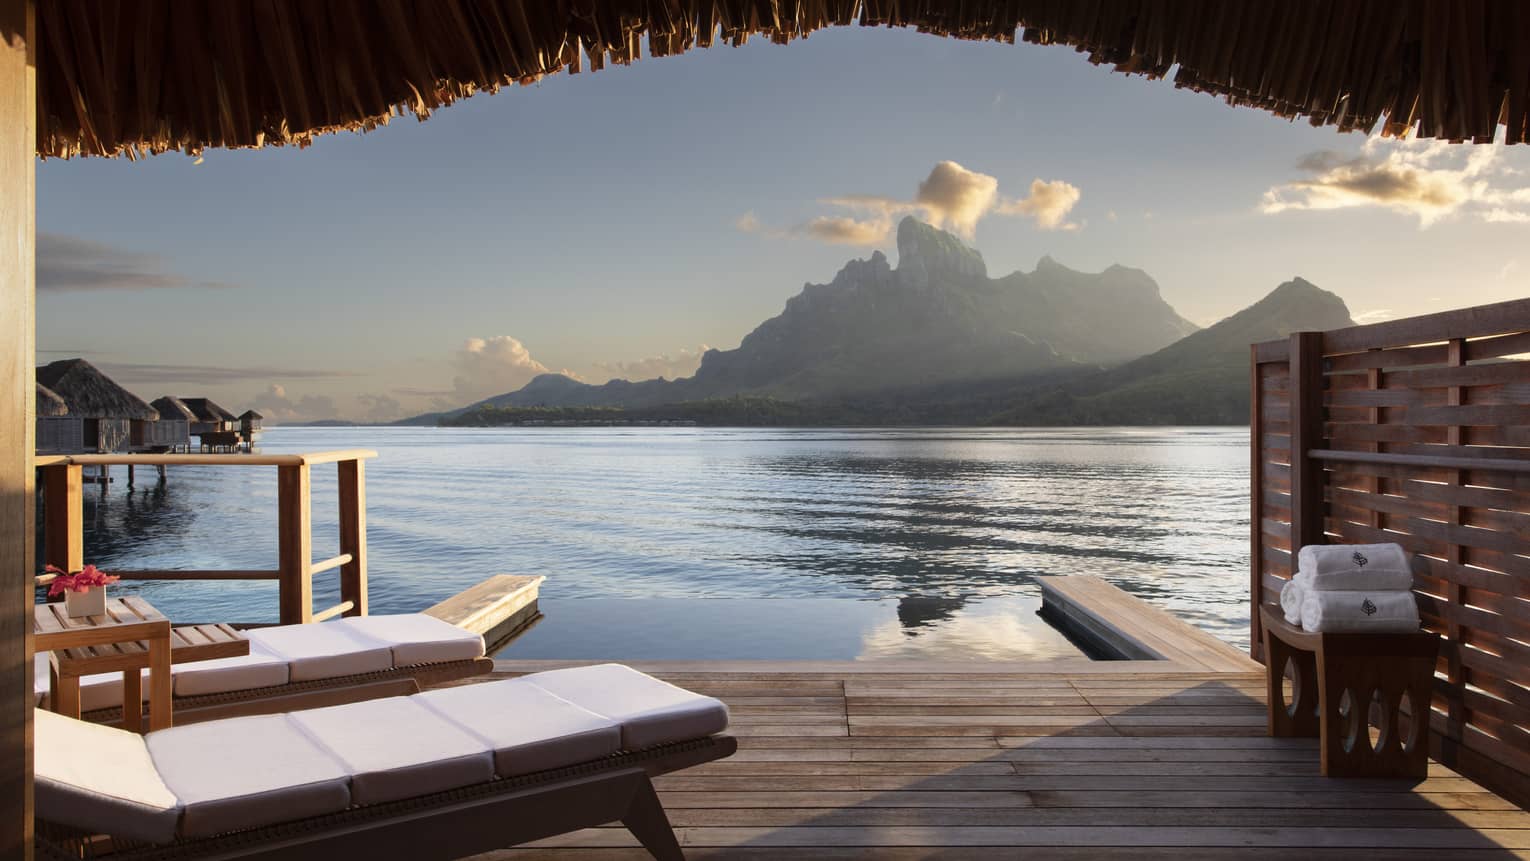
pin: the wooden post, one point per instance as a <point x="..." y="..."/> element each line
<point x="18" y="423"/>
<point x="63" y="516"/>
<point x="1307" y="505"/>
<point x="1458" y="716"/>
<point x="353" y="535"/>
<point x="1256" y="507"/>
<point x="294" y="544"/>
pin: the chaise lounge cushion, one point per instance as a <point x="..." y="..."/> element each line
<point x="246" y="772"/>
<point x="528" y="728"/>
<point x="397" y="748"/>
<point x="323" y="651"/>
<point x="417" y="638"/>
<point x="650" y="711"/>
<point x="99" y="778"/>
<point x="258" y="669"/>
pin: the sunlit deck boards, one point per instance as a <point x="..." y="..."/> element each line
<point x="1064" y="761"/>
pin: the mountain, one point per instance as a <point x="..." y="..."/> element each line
<point x="935" y="318"/>
<point x="1200" y="379"/>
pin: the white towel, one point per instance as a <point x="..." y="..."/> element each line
<point x="1354" y="611"/>
<point x="1291" y="596"/>
<point x="1329" y="567"/>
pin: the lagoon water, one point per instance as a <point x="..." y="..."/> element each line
<point x="731" y="543"/>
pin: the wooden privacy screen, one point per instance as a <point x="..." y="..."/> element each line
<point x="1415" y="431"/>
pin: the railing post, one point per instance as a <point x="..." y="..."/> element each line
<point x="1256" y="506"/>
<point x="1307" y="506"/>
<point x="294" y="544"/>
<point x="63" y="516"/>
<point x="353" y="535"/>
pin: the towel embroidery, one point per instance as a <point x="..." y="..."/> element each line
<point x="1359" y="559"/>
<point x="1367" y="607"/>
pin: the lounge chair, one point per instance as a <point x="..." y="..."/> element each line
<point x="301" y="666"/>
<point x="437" y="775"/>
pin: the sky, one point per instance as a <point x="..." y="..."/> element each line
<point x="619" y="223"/>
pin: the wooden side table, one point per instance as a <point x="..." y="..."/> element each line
<point x="131" y="636"/>
<point x="1376" y="670"/>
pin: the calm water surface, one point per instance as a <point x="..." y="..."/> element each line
<point x="939" y="533"/>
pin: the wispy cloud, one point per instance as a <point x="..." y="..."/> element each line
<point x="1375" y="316"/>
<point x="671" y="366"/>
<point x="212" y="375"/>
<point x="950" y="197"/>
<point x="70" y="263"/>
<point x="1430" y="181"/>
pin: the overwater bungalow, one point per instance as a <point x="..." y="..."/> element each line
<point x="173" y="430"/>
<point x="215" y="428"/>
<point x="249" y="425"/>
<point x="1409" y="431"/>
<point x="57" y="431"/>
<point x="110" y="417"/>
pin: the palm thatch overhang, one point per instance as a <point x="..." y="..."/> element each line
<point x="90" y="394"/>
<point x="171" y="408"/>
<point x="135" y="77"/>
<point x="205" y="410"/>
<point x="49" y="404"/>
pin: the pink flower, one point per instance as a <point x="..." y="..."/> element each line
<point x="86" y="579"/>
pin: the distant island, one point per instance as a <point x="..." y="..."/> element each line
<point x="935" y="341"/>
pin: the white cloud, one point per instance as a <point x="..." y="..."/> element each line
<point x="669" y="366"/>
<point x="277" y="406"/>
<point x="1430" y="181"/>
<point x="380" y="408"/>
<point x="485" y="367"/>
<point x="1375" y="316"/>
<point x="951" y="197"/>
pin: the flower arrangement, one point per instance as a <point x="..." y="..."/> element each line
<point x="84" y="580"/>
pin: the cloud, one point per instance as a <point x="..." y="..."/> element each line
<point x="1375" y="316"/>
<point x="681" y="364"/>
<point x="1430" y="181"/>
<point x="951" y="197"/>
<point x="69" y="263"/>
<point x="277" y="406"/>
<point x="380" y="408"/>
<point x="485" y="367"/>
<point x="1049" y="203"/>
<point x="200" y="375"/>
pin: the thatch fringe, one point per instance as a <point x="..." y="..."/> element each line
<point x="90" y="394"/>
<point x="49" y="403"/>
<point x="206" y="411"/>
<point x="170" y="408"/>
<point x="135" y="77"/>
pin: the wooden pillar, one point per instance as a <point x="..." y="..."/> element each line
<point x="1256" y="506"/>
<point x="18" y="423"/>
<point x="1458" y="675"/>
<point x="63" y="516"/>
<point x="353" y="535"/>
<point x="294" y="544"/>
<point x="1306" y="434"/>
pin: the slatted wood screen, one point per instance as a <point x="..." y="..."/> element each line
<point x="1415" y="431"/>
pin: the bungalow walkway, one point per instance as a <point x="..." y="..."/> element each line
<point x="1068" y="759"/>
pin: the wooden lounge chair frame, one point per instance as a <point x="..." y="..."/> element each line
<point x="313" y="693"/>
<point x="461" y="822"/>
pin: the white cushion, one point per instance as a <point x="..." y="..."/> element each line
<point x="416" y="638"/>
<point x="41" y="677"/>
<point x="258" y="669"/>
<point x="650" y="711"/>
<point x="398" y="748"/>
<point x="104" y="690"/>
<point x="322" y="651"/>
<point x="247" y="772"/>
<point x="527" y="728"/>
<point x="101" y="779"/>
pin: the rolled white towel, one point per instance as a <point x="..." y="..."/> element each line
<point x="1354" y="611"/>
<point x="1337" y="567"/>
<point x="1291" y="596"/>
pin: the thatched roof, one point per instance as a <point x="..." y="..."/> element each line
<point x="207" y="411"/>
<point x="91" y="394"/>
<point x="156" y="75"/>
<point x="171" y="408"/>
<point x="251" y="415"/>
<point x="49" y="403"/>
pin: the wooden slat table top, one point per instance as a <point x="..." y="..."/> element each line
<point x="205" y="643"/>
<point x="888" y="762"/>
<point x="118" y="640"/>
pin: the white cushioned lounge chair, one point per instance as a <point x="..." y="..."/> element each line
<point x="298" y="666"/>
<point x="440" y="774"/>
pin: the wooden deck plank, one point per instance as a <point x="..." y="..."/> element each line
<point x="1153" y="762"/>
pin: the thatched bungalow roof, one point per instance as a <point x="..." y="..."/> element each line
<point x="49" y="403"/>
<point x="91" y="394"/>
<point x="251" y="415"/>
<point x="171" y="408"/>
<point x="206" y="411"/>
<point x="158" y="75"/>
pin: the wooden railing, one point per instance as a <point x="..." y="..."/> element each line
<point x="63" y="524"/>
<point x="1414" y="431"/>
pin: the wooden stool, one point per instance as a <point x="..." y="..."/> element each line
<point x="1376" y="671"/>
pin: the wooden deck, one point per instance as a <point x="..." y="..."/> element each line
<point x="1070" y="759"/>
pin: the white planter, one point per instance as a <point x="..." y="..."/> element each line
<point x="91" y="602"/>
